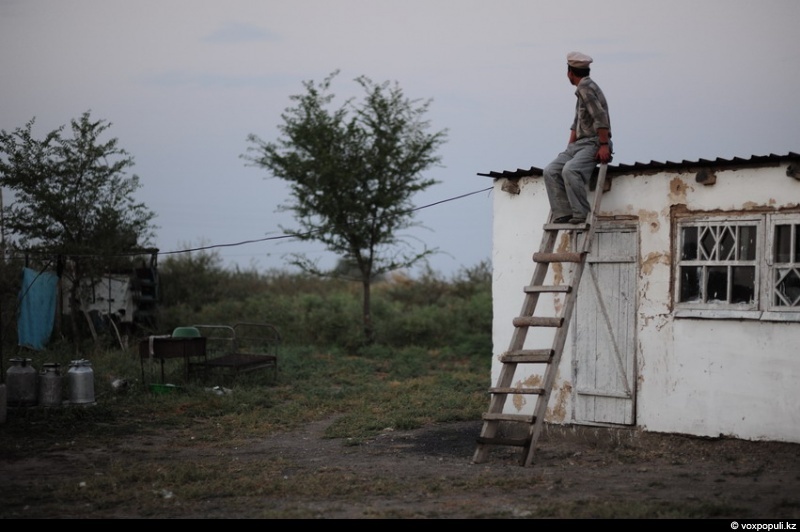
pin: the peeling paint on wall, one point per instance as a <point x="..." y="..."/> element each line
<point x="752" y="205"/>
<point x="558" y="305"/>
<point x="650" y="219"/>
<point x="533" y="381"/>
<point x="677" y="190"/>
<point x="558" y="412"/>
<point x="519" y="402"/>
<point x="564" y="245"/>
<point x="558" y="273"/>
<point x="653" y="259"/>
<point x="558" y="279"/>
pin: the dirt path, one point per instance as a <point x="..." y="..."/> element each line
<point x="574" y="466"/>
<point x="427" y="473"/>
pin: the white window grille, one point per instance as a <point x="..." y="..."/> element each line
<point x="718" y="263"/>
<point x="738" y="266"/>
<point x="784" y="260"/>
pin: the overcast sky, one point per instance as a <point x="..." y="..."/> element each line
<point x="183" y="82"/>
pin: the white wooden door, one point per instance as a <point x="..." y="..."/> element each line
<point x="604" y="330"/>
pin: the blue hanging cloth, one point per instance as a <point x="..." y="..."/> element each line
<point x="37" y="308"/>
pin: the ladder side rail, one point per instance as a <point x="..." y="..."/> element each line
<point x="531" y="299"/>
<point x="561" y="337"/>
<point x="506" y="377"/>
<point x="528" y="307"/>
<point x="540" y="272"/>
<point x="496" y="405"/>
<point x="552" y="368"/>
<point x="520" y="333"/>
<point x="491" y="422"/>
<point x="577" y="274"/>
<point x="598" y="196"/>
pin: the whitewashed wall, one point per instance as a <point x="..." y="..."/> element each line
<point x="695" y="376"/>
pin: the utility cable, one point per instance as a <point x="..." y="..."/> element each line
<point x="271" y="238"/>
<point x="283" y="237"/>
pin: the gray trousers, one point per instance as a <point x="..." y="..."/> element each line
<point x="567" y="178"/>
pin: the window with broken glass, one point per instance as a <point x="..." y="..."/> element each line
<point x="744" y="267"/>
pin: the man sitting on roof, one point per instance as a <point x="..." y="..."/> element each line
<point x="567" y="177"/>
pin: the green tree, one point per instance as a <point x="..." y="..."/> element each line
<point x="194" y="279"/>
<point x="72" y="198"/>
<point x="352" y="172"/>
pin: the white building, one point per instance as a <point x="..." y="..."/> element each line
<point x="688" y="313"/>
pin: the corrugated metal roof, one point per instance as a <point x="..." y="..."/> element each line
<point x="653" y="166"/>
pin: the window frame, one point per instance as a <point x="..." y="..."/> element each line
<point x="773" y="311"/>
<point x="762" y="307"/>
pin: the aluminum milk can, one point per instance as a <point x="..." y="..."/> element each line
<point x="81" y="382"/>
<point x="50" y="385"/>
<point x="21" y="383"/>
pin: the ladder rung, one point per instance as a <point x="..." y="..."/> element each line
<point x="515" y="442"/>
<point x="555" y="227"/>
<point x="557" y="257"/>
<point x="518" y="391"/>
<point x="534" y="321"/>
<point x="517" y="418"/>
<point x="527" y="355"/>
<point x="565" y="227"/>
<point x="535" y="289"/>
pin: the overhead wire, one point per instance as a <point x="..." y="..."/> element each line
<point x="273" y="238"/>
<point x="283" y="237"/>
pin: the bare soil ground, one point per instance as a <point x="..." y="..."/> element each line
<point x="428" y="473"/>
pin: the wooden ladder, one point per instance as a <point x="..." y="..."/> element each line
<point x="551" y="357"/>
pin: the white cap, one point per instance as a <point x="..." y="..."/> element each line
<point x="578" y="60"/>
